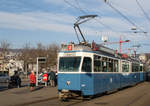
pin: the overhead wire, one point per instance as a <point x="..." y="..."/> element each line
<point x="100" y="22"/>
<point x="142" y="9"/>
<point x="125" y="17"/>
<point x="84" y="12"/>
<point x="74" y="6"/>
<point x="79" y="6"/>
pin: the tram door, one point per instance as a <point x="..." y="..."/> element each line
<point x="141" y="73"/>
<point x="86" y="76"/>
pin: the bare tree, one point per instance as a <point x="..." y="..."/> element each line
<point x="5" y="46"/>
<point x="29" y="55"/>
<point x="25" y="55"/>
<point x="52" y="51"/>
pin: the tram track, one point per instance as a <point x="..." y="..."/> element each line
<point x="69" y="102"/>
<point x="75" y="101"/>
<point x="36" y="101"/>
<point x="136" y="99"/>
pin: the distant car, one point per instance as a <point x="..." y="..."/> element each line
<point x="4" y="78"/>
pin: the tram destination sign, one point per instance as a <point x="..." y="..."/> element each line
<point x="69" y="54"/>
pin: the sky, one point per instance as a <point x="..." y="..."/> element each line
<point x="51" y="21"/>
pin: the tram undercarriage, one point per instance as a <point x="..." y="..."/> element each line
<point x="68" y="94"/>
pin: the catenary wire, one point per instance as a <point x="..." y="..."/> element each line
<point x="125" y="17"/>
<point x="142" y="9"/>
<point x="84" y="12"/>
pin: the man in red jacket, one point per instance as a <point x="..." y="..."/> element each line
<point x="32" y="80"/>
<point x="45" y="78"/>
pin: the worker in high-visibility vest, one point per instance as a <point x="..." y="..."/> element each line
<point x="45" y="78"/>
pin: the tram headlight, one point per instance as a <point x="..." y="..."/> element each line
<point x="68" y="82"/>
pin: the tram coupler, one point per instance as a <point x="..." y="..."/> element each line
<point x="64" y="94"/>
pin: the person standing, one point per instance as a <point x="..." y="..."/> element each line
<point x="17" y="79"/>
<point x="45" y="78"/>
<point x="32" y="80"/>
<point x="52" y="78"/>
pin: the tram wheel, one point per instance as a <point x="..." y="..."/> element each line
<point x="87" y="97"/>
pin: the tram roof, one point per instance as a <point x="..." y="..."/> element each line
<point x="95" y="48"/>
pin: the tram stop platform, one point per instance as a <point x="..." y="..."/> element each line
<point x="23" y="95"/>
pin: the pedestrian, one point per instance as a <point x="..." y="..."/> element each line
<point x="18" y="79"/>
<point x="52" y="78"/>
<point x="32" y="80"/>
<point x="15" y="80"/>
<point x="45" y="78"/>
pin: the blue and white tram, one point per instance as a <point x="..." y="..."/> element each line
<point x="87" y="72"/>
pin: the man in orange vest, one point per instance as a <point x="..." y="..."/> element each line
<point x="45" y="78"/>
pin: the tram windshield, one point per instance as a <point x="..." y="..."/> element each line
<point x="69" y="64"/>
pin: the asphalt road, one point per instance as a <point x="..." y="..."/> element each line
<point x="3" y="86"/>
<point x="138" y="95"/>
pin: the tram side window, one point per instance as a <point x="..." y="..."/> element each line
<point x="104" y="65"/>
<point x="135" y="68"/>
<point x="87" y="64"/>
<point x="97" y="64"/>
<point x="110" y="63"/>
<point x="115" y="66"/>
<point x="125" y="67"/>
<point x="141" y="68"/>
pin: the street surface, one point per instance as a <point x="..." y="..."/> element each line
<point x="3" y="86"/>
<point x="138" y="95"/>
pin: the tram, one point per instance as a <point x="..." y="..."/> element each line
<point x="91" y="69"/>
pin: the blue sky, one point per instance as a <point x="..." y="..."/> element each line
<point x="51" y="21"/>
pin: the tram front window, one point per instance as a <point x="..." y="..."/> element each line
<point x="87" y="64"/>
<point x="69" y="64"/>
